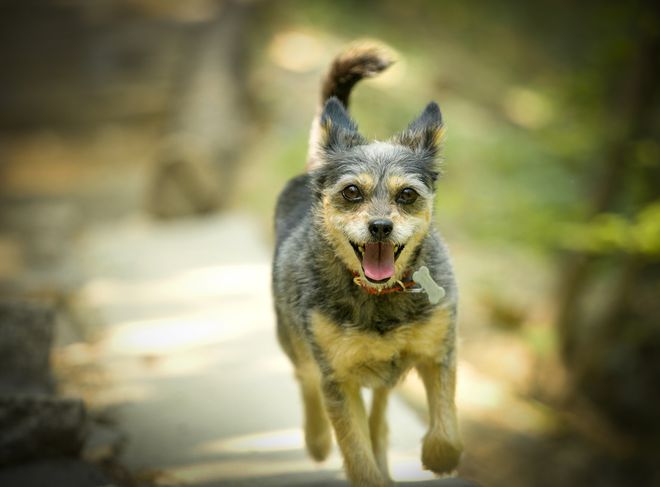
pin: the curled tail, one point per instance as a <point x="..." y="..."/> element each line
<point x="361" y="60"/>
<point x="355" y="63"/>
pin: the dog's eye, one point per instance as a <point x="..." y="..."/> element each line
<point x="407" y="196"/>
<point x="352" y="193"/>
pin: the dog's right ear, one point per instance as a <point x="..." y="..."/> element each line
<point x="424" y="134"/>
<point x="338" y="131"/>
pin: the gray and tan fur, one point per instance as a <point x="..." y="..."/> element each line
<point x="339" y="337"/>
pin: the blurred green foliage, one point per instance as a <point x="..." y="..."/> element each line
<point x="609" y="232"/>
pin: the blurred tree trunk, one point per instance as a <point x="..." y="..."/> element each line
<point x="613" y="354"/>
<point x="208" y="119"/>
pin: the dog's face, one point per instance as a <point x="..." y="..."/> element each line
<point x="376" y="199"/>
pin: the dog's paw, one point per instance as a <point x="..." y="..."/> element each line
<point x="440" y="455"/>
<point x="319" y="442"/>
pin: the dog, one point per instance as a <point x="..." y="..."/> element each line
<point x="362" y="283"/>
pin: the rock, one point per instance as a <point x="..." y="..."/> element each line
<point x="37" y="427"/>
<point x="26" y="335"/>
<point x="33" y="423"/>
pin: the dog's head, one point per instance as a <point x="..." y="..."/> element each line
<point x="376" y="199"/>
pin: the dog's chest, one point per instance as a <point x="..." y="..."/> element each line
<point x="374" y="359"/>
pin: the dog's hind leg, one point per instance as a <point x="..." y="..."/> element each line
<point x="378" y="428"/>
<point x="442" y="447"/>
<point x="349" y="418"/>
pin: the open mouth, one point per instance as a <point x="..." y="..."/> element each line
<point x="377" y="259"/>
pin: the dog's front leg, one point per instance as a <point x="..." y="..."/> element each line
<point x="442" y="446"/>
<point x="349" y="419"/>
<point x="318" y="436"/>
<point x="378" y="428"/>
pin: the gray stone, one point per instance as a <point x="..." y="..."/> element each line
<point x="37" y="427"/>
<point x="26" y="335"/>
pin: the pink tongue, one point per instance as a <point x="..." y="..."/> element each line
<point x="378" y="260"/>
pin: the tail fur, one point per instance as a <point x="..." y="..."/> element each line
<point x="355" y="63"/>
<point x="358" y="61"/>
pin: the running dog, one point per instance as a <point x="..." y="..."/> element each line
<point x="363" y="285"/>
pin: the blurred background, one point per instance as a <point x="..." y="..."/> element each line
<point x="142" y="147"/>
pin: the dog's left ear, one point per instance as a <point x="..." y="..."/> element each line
<point x="338" y="131"/>
<point x="424" y="134"/>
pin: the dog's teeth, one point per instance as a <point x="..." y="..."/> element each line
<point x="396" y="249"/>
<point x="361" y="249"/>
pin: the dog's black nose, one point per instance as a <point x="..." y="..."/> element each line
<point x="380" y="228"/>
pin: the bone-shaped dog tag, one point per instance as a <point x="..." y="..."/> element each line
<point x="422" y="276"/>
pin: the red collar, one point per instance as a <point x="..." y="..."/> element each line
<point x="402" y="285"/>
